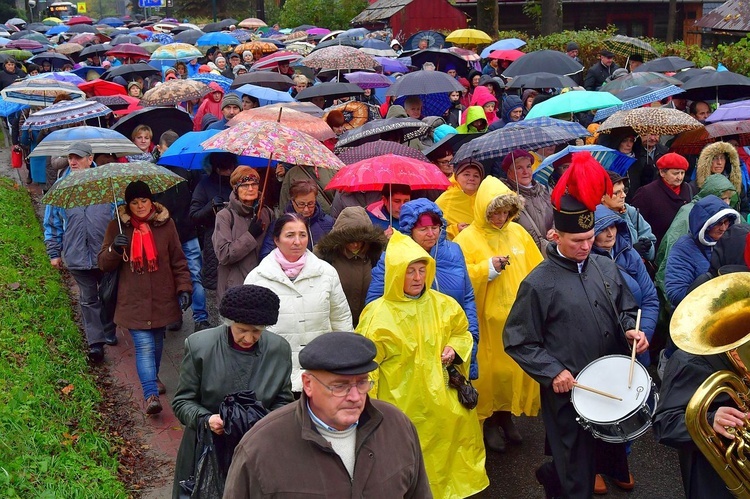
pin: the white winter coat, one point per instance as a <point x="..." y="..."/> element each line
<point x="313" y="304"/>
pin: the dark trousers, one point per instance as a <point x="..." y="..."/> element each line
<point x="95" y="324"/>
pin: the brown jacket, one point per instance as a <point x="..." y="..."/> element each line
<point x="284" y="456"/>
<point x="148" y="300"/>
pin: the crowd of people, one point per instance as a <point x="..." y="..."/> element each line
<point x="334" y="309"/>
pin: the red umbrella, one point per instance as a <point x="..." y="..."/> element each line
<point x="129" y="51"/>
<point x="79" y="20"/>
<point x="133" y="106"/>
<point x="506" y="55"/>
<point x="102" y="88"/>
<point x="375" y="173"/>
<point x="83" y="38"/>
<point x="23" y="44"/>
<point x="272" y="60"/>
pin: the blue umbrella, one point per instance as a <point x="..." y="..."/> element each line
<point x="391" y="65"/>
<point x="186" y="152"/>
<point x="65" y="76"/>
<point x="8" y="108"/>
<point x="163" y="38"/>
<point x="506" y="44"/>
<point x="83" y="71"/>
<point x="609" y="158"/>
<point x="216" y="38"/>
<point x="56" y="30"/>
<point x="637" y="96"/>
<point x="111" y="21"/>
<point x="355" y="34"/>
<point x="242" y="35"/>
<point x="265" y="95"/>
<point x="101" y="140"/>
<point x="432" y="104"/>
<point x="207" y="78"/>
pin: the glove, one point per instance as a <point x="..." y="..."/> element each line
<point x="255" y="228"/>
<point x="185" y="300"/>
<point x="643" y="246"/>
<point x="218" y="203"/>
<point x="119" y="243"/>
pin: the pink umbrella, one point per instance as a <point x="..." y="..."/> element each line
<point x="272" y="60"/>
<point x="506" y="55"/>
<point x="23" y="44"/>
<point x="79" y="20"/>
<point x="373" y="174"/>
<point x="318" y="31"/>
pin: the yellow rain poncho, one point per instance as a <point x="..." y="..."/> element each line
<point x="410" y="335"/>
<point x="457" y="206"/>
<point x="502" y="384"/>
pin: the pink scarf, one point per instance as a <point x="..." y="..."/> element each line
<point x="291" y="269"/>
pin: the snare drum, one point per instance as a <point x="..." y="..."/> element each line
<point x="613" y="420"/>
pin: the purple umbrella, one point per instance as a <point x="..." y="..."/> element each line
<point x="391" y="65"/>
<point x="734" y="111"/>
<point x="318" y="31"/>
<point x="364" y="79"/>
<point x="23" y="44"/>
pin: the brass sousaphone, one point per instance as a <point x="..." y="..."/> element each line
<point x="715" y="318"/>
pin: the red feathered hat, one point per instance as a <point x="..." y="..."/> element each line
<point x="578" y="192"/>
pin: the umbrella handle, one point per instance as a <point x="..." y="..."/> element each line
<point x="125" y="257"/>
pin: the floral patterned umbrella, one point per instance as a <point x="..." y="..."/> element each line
<point x="339" y="57"/>
<point x="296" y="120"/>
<point x="40" y="91"/>
<point x="654" y="120"/>
<point x="173" y="92"/>
<point x="65" y="113"/>
<point x="375" y="173"/>
<point x="274" y="141"/>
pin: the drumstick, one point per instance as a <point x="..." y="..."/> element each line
<point x="632" y="355"/>
<point x="594" y="390"/>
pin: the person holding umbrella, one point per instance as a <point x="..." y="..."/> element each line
<point x="154" y="280"/>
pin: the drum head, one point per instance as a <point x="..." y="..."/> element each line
<point x="610" y="374"/>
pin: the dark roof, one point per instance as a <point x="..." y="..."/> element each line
<point x="381" y="10"/>
<point x="733" y="15"/>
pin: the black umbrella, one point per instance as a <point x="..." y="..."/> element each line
<point x="442" y="59"/>
<point x="452" y="141"/>
<point x="668" y="64"/>
<point x="542" y="80"/>
<point x="97" y="49"/>
<point x="717" y="85"/>
<point x="394" y="129"/>
<point x="40" y="27"/>
<point x="303" y="27"/>
<point x="82" y="28"/>
<point x="211" y="28"/>
<point x="691" y="73"/>
<point x="330" y="90"/>
<point x="160" y="119"/>
<point x="114" y="102"/>
<point x="55" y="60"/>
<point x="268" y="79"/>
<point x="126" y="39"/>
<point x="141" y="69"/>
<point x="189" y="36"/>
<point x="550" y="61"/>
<point x="424" y="82"/>
<point x="20" y="34"/>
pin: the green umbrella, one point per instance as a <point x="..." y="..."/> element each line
<point x="574" y="101"/>
<point x="107" y="183"/>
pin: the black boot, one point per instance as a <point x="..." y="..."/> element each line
<point x="505" y="421"/>
<point x="493" y="440"/>
<point x="546" y="475"/>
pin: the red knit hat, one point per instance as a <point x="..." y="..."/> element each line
<point x="672" y="161"/>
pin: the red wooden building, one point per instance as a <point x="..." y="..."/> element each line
<point x="406" y="17"/>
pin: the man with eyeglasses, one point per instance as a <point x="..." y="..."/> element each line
<point x="643" y="238"/>
<point x="335" y="440"/>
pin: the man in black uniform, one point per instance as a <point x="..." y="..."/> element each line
<point x="572" y="309"/>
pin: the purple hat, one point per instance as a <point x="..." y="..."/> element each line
<point x="514" y="155"/>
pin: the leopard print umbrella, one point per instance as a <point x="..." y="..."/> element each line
<point x="651" y="120"/>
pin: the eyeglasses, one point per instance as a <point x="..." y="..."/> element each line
<point x="342" y="390"/>
<point x="621" y="192"/>
<point x="302" y="206"/>
<point x="444" y="162"/>
<point x="249" y="185"/>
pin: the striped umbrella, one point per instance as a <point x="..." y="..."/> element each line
<point x="640" y="97"/>
<point x="609" y="158"/>
<point x="40" y="92"/>
<point x="626" y="46"/>
<point x="101" y="140"/>
<point x="65" y="113"/>
<point x="273" y="60"/>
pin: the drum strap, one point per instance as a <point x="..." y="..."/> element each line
<point x="609" y="293"/>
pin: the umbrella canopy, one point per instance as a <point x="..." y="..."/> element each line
<point x="137" y="40"/>
<point x="65" y="113"/>
<point x="505" y="44"/>
<point x="337" y="42"/>
<point x="189" y="36"/>
<point x="528" y="134"/>
<point x="368" y="80"/>
<point x="101" y="184"/>
<point x="396" y="129"/>
<point x="266" y="79"/>
<point x="717" y="85"/>
<point x="339" y="57"/>
<point x="160" y="119"/>
<point x="160" y="38"/>
<point x="380" y="148"/>
<point x="693" y="141"/>
<point x="442" y="59"/>
<point x="687" y="74"/>
<point x="97" y="49"/>
<point x="142" y="69"/>
<point x="101" y="87"/>
<point x="376" y="47"/>
<point x="465" y="54"/>
<point x="542" y="80"/>
<point x="734" y="111"/>
<point x="301" y="48"/>
<point x="216" y="38"/>
<point x="609" y="158"/>
<point x="101" y="140"/>
<point x="468" y="37"/>
<point x="115" y="102"/>
<point x="635" y="97"/>
<point x="79" y="20"/>
<point x="425" y="82"/>
<point x="373" y="174"/>
<point x="207" y="78"/>
<point x="265" y="95"/>
<point x="186" y="152"/>
<point x="64" y="76"/>
<point x="251" y="23"/>
<point x="52" y="21"/>
<point x="644" y="79"/>
<point x="129" y="51"/>
<point x="271" y="61"/>
<point x="505" y="55"/>
<point x="573" y="102"/>
<point x="83" y="28"/>
<point x="329" y="90"/>
<point x="550" y="61"/>
<point x="391" y="65"/>
<point x="176" y="52"/>
<point x="173" y="92"/>
<point x="83" y="38"/>
<point x="68" y="48"/>
<point x="39" y="92"/>
<point x="8" y="108"/>
<point x="304" y="107"/>
<point x="434" y="39"/>
<point x="111" y="21"/>
<point x="651" y="120"/>
<point x="296" y="120"/>
<point x="32" y="35"/>
<point x="626" y="46"/>
<point x="271" y="140"/>
<point x="23" y="44"/>
<point x="56" y="30"/>
<point x="670" y="64"/>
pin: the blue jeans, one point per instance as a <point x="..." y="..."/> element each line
<point x="192" y="252"/>
<point x="149" y="344"/>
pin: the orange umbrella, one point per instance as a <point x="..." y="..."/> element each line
<point x="259" y="49"/>
<point x="296" y="120"/>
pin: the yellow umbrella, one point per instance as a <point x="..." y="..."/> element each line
<point x="55" y="20"/>
<point x="468" y="37"/>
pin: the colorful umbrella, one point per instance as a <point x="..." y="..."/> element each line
<point x="258" y="49"/>
<point x="380" y="148"/>
<point x="207" y="78"/>
<point x="339" y="57"/>
<point x="651" y="120"/>
<point x="373" y="174"/>
<point x="186" y="152"/>
<point x="434" y="39"/>
<point x="468" y="37"/>
<point x="399" y="129"/>
<point x="271" y="61"/>
<point x="609" y="158"/>
<point x="129" y="51"/>
<point x="101" y="140"/>
<point x="270" y="140"/>
<point x="693" y="141"/>
<point x="635" y="97"/>
<point x="64" y="76"/>
<point x="169" y="54"/>
<point x="52" y="21"/>
<point x="267" y="79"/>
<point x="102" y="87"/>
<point x="65" y="113"/>
<point x="368" y="80"/>
<point x="506" y="44"/>
<point x="733" y="111"/>
<point x="465" y="54"/>
<point x="39" y="92"/>
<point x="251" y="23"/>
<point x="173" y="92"/>
<point x="575" y="101"/>
<point x="425" y="82"/>
<point x="216" y="38"/>
<point x="296" y="120"/>
<point x="626" y="46"/>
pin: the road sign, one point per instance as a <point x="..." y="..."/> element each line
<point x="150" y="3"/>
<point x="81" y="7"/>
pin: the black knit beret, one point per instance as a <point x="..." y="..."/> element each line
<point x="136" y="190"/>
<point x="339" y="353"/>
<point x="250" y="304"/>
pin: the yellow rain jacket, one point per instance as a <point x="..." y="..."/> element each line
<point x="410" y="335"/>
<point x="502" y="384"/>
<point x="457" y="206"/>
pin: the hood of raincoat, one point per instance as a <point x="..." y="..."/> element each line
<point x="215" y="87"/>
<point x="492" y="195"/>
<point x="411" y="211"/>
<point x="396" y="112"/>
<point x="510" y="103"/>
<point x="441" y="131"/>
<point x="704" y="214"/>
<point x="481" y="97"/>
<point x="352" y="225"/>
<point x="714" y="185"/>
<point x="472" y="114"/>
<point x="604" y="218"/>
<point x="402" y="251"/>
<point x="731" y="169"/>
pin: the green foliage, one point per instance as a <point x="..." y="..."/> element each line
<point x="52" y="443"/>
<point x="533" y="10"/>
<point x="331" y="14"/>
<point x="8" y="9"/>
<point x="589" y="41"/>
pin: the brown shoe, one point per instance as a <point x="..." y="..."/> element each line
<point x="505" y="421"/>
<point x="160" y="386"/>
<point x="153" y="405"/>
<point x="600" y="486"/>
<point x="625" y="485"/>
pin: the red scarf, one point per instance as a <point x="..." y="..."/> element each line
<point x="143" y="242"/>
<point x="675" y="189"/>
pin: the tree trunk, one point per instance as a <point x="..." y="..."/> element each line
<point x="487" y="17"/>
<point x="551" y="17"/>
<point x="671" y="21"/>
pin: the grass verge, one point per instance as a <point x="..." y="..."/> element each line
<point x="52" y="439"/>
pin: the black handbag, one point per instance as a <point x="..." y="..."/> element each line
<point x="108" y="292"/>
<point x="467" y="394"/>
